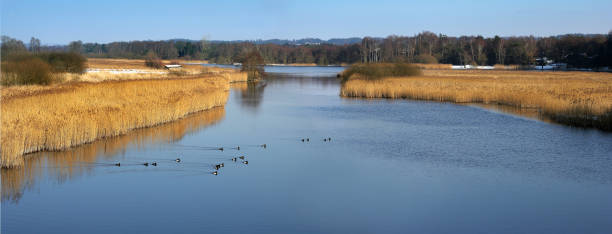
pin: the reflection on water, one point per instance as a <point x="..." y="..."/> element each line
<point x="65" y="165"/>
<point x="530" y="113"/>
<point x="250" y="94"/>
<point x="293" y="71"/>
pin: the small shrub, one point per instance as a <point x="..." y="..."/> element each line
<point x="380" y="70"/>
<point x="65" y="62"/>
<point x="26" y="70"/>
<point x="153" y="61"/>
<point x="426" y="59"/>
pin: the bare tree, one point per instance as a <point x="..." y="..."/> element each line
<point x="75" y="47"/>
<point x="34" y="45"/>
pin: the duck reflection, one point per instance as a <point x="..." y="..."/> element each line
<point x="66" y="165"/>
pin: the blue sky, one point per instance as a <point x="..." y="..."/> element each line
<point x="61" y="21"/>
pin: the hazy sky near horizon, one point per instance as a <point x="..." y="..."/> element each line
<point x="62" y="21"/>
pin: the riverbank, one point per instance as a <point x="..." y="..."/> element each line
<point x="102" y="104"/>
<point x="74" y="163"/>
<point x="72" y="114"/>
<point x="581" y="99"/>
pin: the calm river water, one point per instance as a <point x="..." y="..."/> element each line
<point x="392" y="166"/>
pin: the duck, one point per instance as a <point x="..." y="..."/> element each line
<point x="302" y="139"/>
<point x="241" y="157"/>
<point x="238" y="148"/>
<point x="234" y="159"/>
<point x="220" y="148"/>
<point x="215" y="173"/>
<point x="222" y="164"/>
<point x="307" y="139"/>
<point x="154" y="163"/>
<point x="177" y="160"/>
<point x="264" y="145"/>
<point x="146" y="164"/>
<point x="217" y="167"/>
<point x="118" y="164"/>
<point x="246" y="162"/>
<point x="324" y="139"/>
<point x="329" y="139"/>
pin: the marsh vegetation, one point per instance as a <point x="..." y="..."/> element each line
<point x="377" y="71"/>
<point x="68" y="115"/>
<point x="574" y="98"/>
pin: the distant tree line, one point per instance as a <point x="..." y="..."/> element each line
<point x="577" y="50"/>
<point x="582" y="51"/>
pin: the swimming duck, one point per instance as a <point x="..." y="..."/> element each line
<point x="222" y="164"/>
<point x="215" y="173"/>
<point x="154" y="163"/>
<point x="324" y="139"/>
<point x="234" y="159"/>
<point x="307" y="139"/>
<point x="246" y="162"/>
<point x="217" y="167"/>
<point x="178" y="160"/>
<point x="118" y="164"/>
<point x="238" y="148"/>
<point x="146" y="164"/>
<point x="264" y="145"/>
<point x="329" y="139"/>
<point x="221" y="148"/>
<point x="302" y="139"/>
<point x="241" y="157"/>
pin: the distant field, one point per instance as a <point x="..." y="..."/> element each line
<point x="134" y="69"/>
<point x="128" y="63"/>
<point x="574" y="98"/>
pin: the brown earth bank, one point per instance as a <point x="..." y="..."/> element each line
<point x="581" y="99"/>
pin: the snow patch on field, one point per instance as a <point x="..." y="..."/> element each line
<point x="125" y="71"/>
<point x="466" y="67"/>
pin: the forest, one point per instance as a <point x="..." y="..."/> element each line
<point x="576" y="50"/>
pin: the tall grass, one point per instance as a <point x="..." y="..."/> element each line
<point x="573" y="98"/>
<point x="66" y="165"/>
<point x="57" y="118"/>
<point x="376" y="71"/>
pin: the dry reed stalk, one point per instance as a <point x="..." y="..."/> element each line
<point x="78" y="161"/>
<point x="575" y="98"/>
<point x="72" y="114"/>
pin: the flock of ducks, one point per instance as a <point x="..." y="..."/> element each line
<point x="218" y="166"/>
<point x="308" y="139"/>
<point x="235" y="159"/>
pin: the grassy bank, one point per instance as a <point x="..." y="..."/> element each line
<point x="378" y="71"/>
<point x="573" y="98"/>
<point x="36" y="118"/>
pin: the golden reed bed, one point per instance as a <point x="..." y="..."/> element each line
<point x="574" y="98"/>
<point x="71" y="164"/>
<point x="58" y="117"/>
